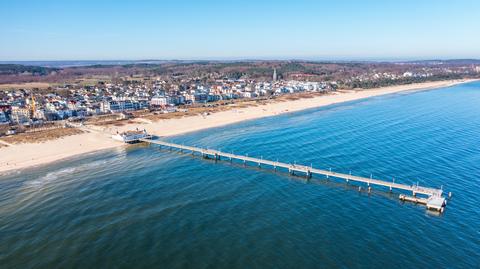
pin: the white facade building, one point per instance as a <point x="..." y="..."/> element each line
<point x="159" y="101"/>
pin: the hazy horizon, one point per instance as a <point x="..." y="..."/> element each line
<point x="313" y="59"/>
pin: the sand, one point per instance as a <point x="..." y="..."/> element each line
<point x="22" y="156"/>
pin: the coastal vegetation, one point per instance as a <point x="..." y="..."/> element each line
<point x="369" y="84"/>
<point x="41" y="135"/>
<point x="347" y="74"/>
<point x="18" y="69"/>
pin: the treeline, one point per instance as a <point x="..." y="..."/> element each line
<point x="15" y="69"/>
<point x="176" y="71"/>
<point x="368" y="84"/>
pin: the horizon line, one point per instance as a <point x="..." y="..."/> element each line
<point x="353" y="59"/>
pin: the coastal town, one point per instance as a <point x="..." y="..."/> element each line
<point x="26" y="107"/>
<point x="156" y="96"/>
<point x="239" y="134"/>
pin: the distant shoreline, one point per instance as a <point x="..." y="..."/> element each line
<point x="23" y="156"/>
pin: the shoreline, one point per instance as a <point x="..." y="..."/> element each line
<point x="21" y="156"/>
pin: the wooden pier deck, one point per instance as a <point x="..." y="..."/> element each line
<point x="433" y="200"/>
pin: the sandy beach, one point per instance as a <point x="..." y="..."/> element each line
<point x="22" y="156"/>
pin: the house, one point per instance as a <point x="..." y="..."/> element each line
<point x="159" y="101"/>
<point x="3" y="117"/>
<point x="20" y="115"/>
<point x="118" y="106"/>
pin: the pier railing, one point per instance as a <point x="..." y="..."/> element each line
<point x="434" y="198"/>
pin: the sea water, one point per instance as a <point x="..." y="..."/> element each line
<point x="146" y="207"/>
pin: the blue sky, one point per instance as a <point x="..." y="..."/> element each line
<point x="302" y="29"/>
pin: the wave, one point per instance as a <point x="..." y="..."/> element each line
<point x="61" y="173"/>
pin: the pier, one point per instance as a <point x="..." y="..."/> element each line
<point x="433" y="197"/>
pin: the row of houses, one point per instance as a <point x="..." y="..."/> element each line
<point x="21" y="106"/>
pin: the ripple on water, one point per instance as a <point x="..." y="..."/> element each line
<point x="145" y="207"/>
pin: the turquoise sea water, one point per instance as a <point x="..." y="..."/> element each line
<point x="144" y="207"/>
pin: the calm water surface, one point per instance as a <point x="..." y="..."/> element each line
<point x="144" y="207"/>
